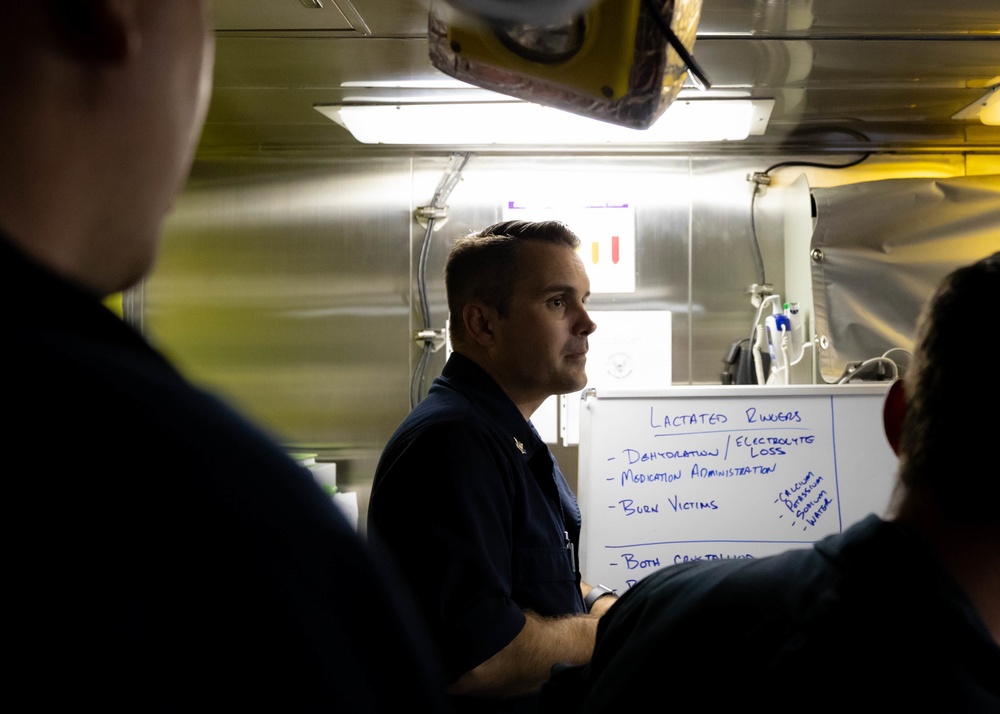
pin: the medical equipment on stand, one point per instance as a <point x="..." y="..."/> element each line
<point x="782" y="336"/>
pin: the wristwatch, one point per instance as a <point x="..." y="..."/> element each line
<point x="597" y="592"/>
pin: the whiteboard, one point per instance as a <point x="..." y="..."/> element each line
<point x="728" y="472"/>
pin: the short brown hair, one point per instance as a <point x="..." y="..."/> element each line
<point x="483" y="265"/>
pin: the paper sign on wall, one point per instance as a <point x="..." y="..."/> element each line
<point x="631" y="349"/>
<point x="607" y="238"/>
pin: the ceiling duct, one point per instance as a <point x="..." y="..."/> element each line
<point x="619" y="61"/>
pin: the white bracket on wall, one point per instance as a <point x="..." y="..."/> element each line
<point x="435" y="339"/>
<point x="424" y="214"/>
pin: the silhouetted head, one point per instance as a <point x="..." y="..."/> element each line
<point x="951" y="430"/>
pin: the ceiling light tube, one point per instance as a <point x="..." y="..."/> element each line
<point x="523" y="123"/>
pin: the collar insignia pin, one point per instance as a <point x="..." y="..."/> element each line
<point x="519" y="445"/>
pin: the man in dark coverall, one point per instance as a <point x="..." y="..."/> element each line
<point x="901" y="614"/>
<point x="468" y="497"/>
<point x="162" y="554"/>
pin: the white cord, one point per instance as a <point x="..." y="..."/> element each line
<point x="785" y="341"/>
<point x="760" y="308"/>
<point x="759" y="339"/>
<point x="758" y="344"/>
<point x="873" y="360"/>
<point x="802" y="353"/>
<point x="779" y="374"/>
<point x="897" y="349"/>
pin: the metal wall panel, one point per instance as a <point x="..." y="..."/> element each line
<point x="286" y="288"/>
<point x="657" y="187"/>
<point x="724" y="264"/>
<point x="290" y="285"/>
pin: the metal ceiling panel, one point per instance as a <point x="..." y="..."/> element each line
<point x="281" y="15"/>
<point x="844" y="73"/>
<point x="383" y="18"/>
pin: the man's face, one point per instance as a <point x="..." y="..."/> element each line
<point x="540" y="347"/>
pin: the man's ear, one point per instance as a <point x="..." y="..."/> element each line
<point x="893" y="412"/>
<point x="97" y="30"/>
<point x="478" y="320"/>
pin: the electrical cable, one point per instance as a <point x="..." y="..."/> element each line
<point x="755" y="337"/>
<point x="783" y="368"/>
<point x="419" y="378"/>
<point x="802" y="352"/>
<point x="764" y="177"/>
<point x="898" y="349"/>
<point x="868" y="363"/>
<point x="758" y="344"/>
<point x="901" y="365"/>
<point x="452" y="175"/>
<point x="756" y="189"/>
<point x="425" y="249"/>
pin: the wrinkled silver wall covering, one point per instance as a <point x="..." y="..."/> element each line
<point x="881" y="247"/>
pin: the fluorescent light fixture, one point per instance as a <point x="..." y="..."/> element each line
<point x="523" y="123"/>
<point x="426" y="83"/>
<point x="986" y="108"/>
